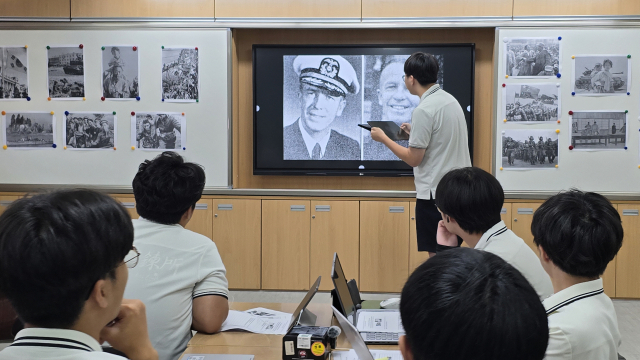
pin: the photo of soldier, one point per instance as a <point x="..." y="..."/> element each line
<point x="601" y="75"/>
<point x="180" y="74"/>
<point x="159" y="131"/>
<point x="531" y="103"/>
<point x="120" y="72"/>
<point x="529" y="149"/>
<point x="14" y="73"/>
<point x="29" y="129"/>
<point x="532" y="57"/>
<point x="66" y="72"/>
<point x="90" y="130"/>
<point x="598" y="130"/>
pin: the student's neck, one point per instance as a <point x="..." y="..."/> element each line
<point x="424" y="89"/>
<point x="561" y="280"/>
<point x="471" y="239"/>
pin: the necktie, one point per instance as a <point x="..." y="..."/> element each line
<point x="315" y="155"/>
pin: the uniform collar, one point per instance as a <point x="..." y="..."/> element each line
<point x="56" y="338"/>
<point x="311" y="143"/>
<point x="431" y="90"/>
<point x="572" y="294"/>
<point x="497" y="229"/>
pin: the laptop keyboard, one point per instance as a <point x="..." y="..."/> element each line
<point x="380" y="337"/>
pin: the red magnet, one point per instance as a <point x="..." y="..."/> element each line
<point x="102" y="98"/>
<point x="81" y="46"/>
<point x="135" y="48"/>
<point x="504" y="85"/>
<point x="570" y="112"/>
<point x="570" y="147"/>
<point x="133" y="113"/>
<point x="196" y="48"/>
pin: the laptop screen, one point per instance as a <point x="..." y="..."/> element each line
<point x="341" y="287"/>
<point x="303" y="304"/>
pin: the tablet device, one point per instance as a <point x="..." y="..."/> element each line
<point x="393" y="131"/>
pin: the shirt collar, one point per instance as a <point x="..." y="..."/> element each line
<point x="311" y="143"/>
<point x="572" y="294"/>
<point x="497" y="229"/>
<point x="63" y="338"/>
<point x="431" y="90"/>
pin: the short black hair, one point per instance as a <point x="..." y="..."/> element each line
<point x="478" y="292"/>
<point x="581" y="232"/>
<point x="166" y="187"/>
<point x="471" y="196"/>
<point x="53" y="249"/>
<point x="423" y="67"/>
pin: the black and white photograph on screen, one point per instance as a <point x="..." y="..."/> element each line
<point x="322" y="107"/>
<point x="532" y="57"/>
<point x="14" y="73"/>
<point x="601" y="75"/>
<point x="531" y="103"/>
<point x="158" y="131"/>
<point x="599" y="130"/>
<point x="90" y="130"/>
<point x="66" y="72"/>
<point x="180" y="75"/>
<point x="29" y="129"/>
<point x="386" y="98"/>
<point x="120" y="72"/>
<point x="529" y="149"/>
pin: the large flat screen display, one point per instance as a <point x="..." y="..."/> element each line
<point x="309" y="100"/>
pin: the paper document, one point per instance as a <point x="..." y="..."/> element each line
<point x="379" y="321"/>
<point x="258" y="320"/>
<point x="377" y="354"/>
<point x="216" y="357"/>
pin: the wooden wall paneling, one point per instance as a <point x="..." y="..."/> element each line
<point x="142" y="9"/>
<point x="416" y="258"/>
<point x="430" y="9"/>
<point x="522" y="214"/>
<point x="35" y="8"/>
<point x="334" y="228"/>
<point x="202" y="218"/>
<point x="575" y="7"/>
<point x="384" y="246"/>
<point x="285" y="244"/>
<point x="627" y="264"/>
<point x="129" y="202"/>
<point x="505" y="214"/>
<point x="6" y="200"/>
<point x="237" y="234"/>
<point x="288" y="9"/>
<point x="609" y="279"/>
<point x="243" y="39"/>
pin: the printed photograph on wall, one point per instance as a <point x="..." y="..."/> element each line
<point x="529" y="149"/>
<point x="66" y="72"/>
<point x="180" y="75"/>
<point x="601" y="75"/>
<point x="532" y="57"/>
<point x="158" y="131"/>
<point x="29" y="129"/>
<point x="89" y="130"/>
<point x="120" y="72"/>
<point x="14" y="73"/>
<point x="599" y="130"/>
<point x="531" y="103"/>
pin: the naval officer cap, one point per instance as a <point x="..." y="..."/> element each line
<point x="331" y="72"/>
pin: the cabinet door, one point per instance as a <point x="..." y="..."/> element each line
<point x="35" y="8"/>
<point x="384" y="245"/>
<point x="202" y="218"/>
<point x="521" y="224"/>
<point x="236" y="232"/>
<point x="575" y="7"/>
<point x="430" y="9"/>
<point x="288" y="9"/>
<point x="6" y="200"/>
<point x="416" y="258"/>
<point x="141" y="9"/>
<point x="285" y="244"/>
<point x="505" y="214"/>
<point x="334" y="228"/>
<point x="129" y="203"/>
<point x="627" y="264"/>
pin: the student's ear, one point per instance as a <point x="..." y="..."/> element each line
<point x="543" y="254"/>
<point x="451" y="220"/>
<point x="404" y="348"/>
<point x="100" y="293"/>
<point x="187" y="214"/>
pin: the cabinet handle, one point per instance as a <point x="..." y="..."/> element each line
<point x="323" y="208"/>
<point x="297" y="207"/>
<point x="515" y="219"/>
<point x="6" y="202"/>
<point x="204" y="206"/>
<point x="215" y="215"/>
<point x="525" y="211"/>
<point x="412" y="218"/>
<point x="503" y="211"/>
<point x="225" y="206"/>
<point x="630" y="212"/>
<point x="396" y="209"/>
<point x="313" y="216"/>
<point x="129" y="205"/>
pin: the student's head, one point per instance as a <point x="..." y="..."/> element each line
<point x="394" y="97"/>
<point x="62" y="257"/>
<point x="470" y="304"/>
<point x="578" y="233"/>
<point x="470" y="200"/>
<point x="421" y="67"/>
<point x="167" y="187"/>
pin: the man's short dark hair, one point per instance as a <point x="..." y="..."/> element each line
<point x="476" y="293"/>
<point x="471" y="196"/>
<point x="580" y="232"/>
<point x="53" y="249"/>
<point x="423" y="67"/>
<point x="166" y="187"/>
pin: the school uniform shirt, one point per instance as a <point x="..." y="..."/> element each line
<point x="438" y="125"/>
<point x="54" y="344"/>
<point x="176" y="265"/>
<point x="582" y="324"/>
<point x="505" y="243"/>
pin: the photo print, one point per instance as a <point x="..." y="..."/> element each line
<point x="601" y="75"/>
<point x="386" y="98"/>
<point x="158" y="131"/>
<point x="322" y="107"/>
<point x="532" y="57"/>
<point x="66" y="72"/>
<point x="529" y="149"/>
<point x="531" y="103"/>
<point x="598" y="130"/>
<point x="90" y="130"/>
<point x="14" y="73"/>
<point x="29" y="129"/>
<point x="180" y="75"/>
<point x="120" y="72"/>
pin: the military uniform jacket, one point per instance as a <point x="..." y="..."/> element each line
<point x="339" y="147"/>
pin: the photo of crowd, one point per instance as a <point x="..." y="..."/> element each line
<point x="529" y="149"/>
<point x="159" y="131"/>
<point x="180" y="76"/>
<point x="29" y="129"/>
<point x="532" y="57"/>
<point x="531" y="103"/>
<point x="90" y="130"/>
<point x="14" y="73"/>
<point x="66" y="72"/>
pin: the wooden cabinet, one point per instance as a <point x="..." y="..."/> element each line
<point x="431" y="9"/>
<point x="522" y="215"/>
<point x="506" y="214"/>
<point x="288" y="9"/>
<point x="609" y="279"/>
<point x="236" y="232"/>
<point x="575" y="7"/>
<point x="384" y="245"/>
<point x="415" y="257"/>
<point x="202" y="218"/>
<point x="141" y="9"/>
<point x="129" y="203"/>
<point x="627" y="264"/>
<point x="6" y="200"/>
<point x="285" y="244"/>
<point x="334" y="228"/>
<point x="35" y="8"/>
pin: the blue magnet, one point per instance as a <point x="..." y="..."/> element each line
<point x="138" y="98"/>
<point x="559" y="37"/>
<point x="558" y="75"/>
<point x="184" y="148"/>
<point x="573" y="93"/>
<point x="625" y="148"/>
<point x="162" y="100"/>
<point x="54" y="146"/>
<point x="66" y="113"/>
<point x="28" y="98"/>
<point x="628" y="93"/>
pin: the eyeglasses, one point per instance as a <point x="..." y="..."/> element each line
<point x="131" y="260"/>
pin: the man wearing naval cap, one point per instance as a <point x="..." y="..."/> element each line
<point x="325" y="82"/>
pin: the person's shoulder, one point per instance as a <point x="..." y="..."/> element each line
<point x="342" y="139"/>
<point x="292" y="130"/>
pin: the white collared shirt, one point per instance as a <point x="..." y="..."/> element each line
<point x="505" y="243"/>
<point x="582" y="324"/>
<point x="58" y="344"/>
<point x="311" y="143"/>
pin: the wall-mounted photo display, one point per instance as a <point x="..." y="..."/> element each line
<point x="599" y="130"/>
<point x="180" y="75"/>
<point x="529" y="149"/>
<point x="29" y="129"/>
<point x="531" y="103"/>
<point x="65" y="74"/>
<point x="601" y="75"/>
<point x="14" y="73"/>
<point x="120" y="72"/>
<point x="532" y="57"/>
<point x="159" y="131"/>
<point x="90" y="130"/>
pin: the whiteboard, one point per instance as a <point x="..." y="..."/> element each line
<point x="613" y="172"/>
<point x="208" y="129"/>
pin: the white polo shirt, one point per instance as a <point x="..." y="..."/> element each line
<point x="176" y="265"/>
<point x="582" y="324"/>
<point x="438" y="125"/>
<point x="505" y="243"/>
<point x="54" y="344"/>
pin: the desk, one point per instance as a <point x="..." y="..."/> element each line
<point x="264" y="347"/>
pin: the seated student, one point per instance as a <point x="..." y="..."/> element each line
<point x="63" y="266"/>
<point x="578" y="234"/>
<point x="181" y="278"/>
<point x="480" y="294"/>
<point x="470" y="200"/>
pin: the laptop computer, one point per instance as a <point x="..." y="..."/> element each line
<point x="302" y="316"/>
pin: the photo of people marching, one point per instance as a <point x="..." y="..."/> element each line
<point x="531" y="103"/>
<point x="529" y="149"/>
<point x="90" y="130"/>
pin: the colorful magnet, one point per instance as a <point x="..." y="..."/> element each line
<point x="558" y="121"/>
<point x="54" y="146"/>
<point x="114" y="148"/>
<point x="163" y="46"/>
<point x="28" y="98"/>
<point x="4" y="112"/>
<point x="114" y="113"/>
<point x="625" y="148"/>
<point x="4" y="147"/>
<point x="570" y="112"/>
<point x="84" y="99"/>
<point x="48" y="99"/>
<point x="628" y="56"/>
<point x="197" y="100"/>
<point x="197" y="49"/>
<point x="570" y="147"/>
<point x="65" y="148"/>
<point x="500" y="168"/>
<point x="626" y="111"/>
<point x="505" y="120"/>
<point x="506" y="76"/>
<point x="102" y="98"/>
<point x="558" y="75"/>
<point x="573" y="56"/>
<point x="81" y="46"/>
<point x="52" y="113"/>
<point x="138" y="98"/>
<point x="504" y="85"/>
<point x="184" y="148"/>
<point x="135" y="48"/>
<point x="557" y="131"/>
<point x="133" y="148"/>
<point x="66" y="113"/>
<point x="556" y="166"/>
<point x="628" y="93"/>
<point x="559" y="37"/>
<point x="573" y="93"/>
<point x="26" y="46"/>
<point x="162" y="100"/>
<point x="48" y="47"/>
<point x="133" y="113"/>
<point x="102" y="48"/>
<point x="182" y="114"/>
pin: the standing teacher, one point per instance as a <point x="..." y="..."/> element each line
<point x="438" y="142"/>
